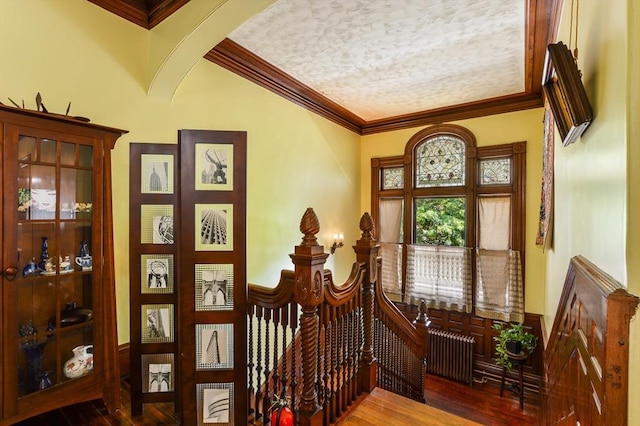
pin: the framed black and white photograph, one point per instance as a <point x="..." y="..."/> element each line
<point x="214" y="167"/>
<point x="156" y="224"/>
<point x="157" y="273"/>
<point x="159" y="377"/>
<point x="157" y="323"/>
<point x="214" y="227"/>
<point x="214" y="346"/>
<point x="163" y="230"/>
<point x="215" y="403"/>
<point x="157" y="373"/>
<point x="157" y="174"/>
<point x="214" y="287"/>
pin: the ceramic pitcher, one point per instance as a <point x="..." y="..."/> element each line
<point x="81" y="363"/>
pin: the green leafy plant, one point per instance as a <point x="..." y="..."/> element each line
<point x="511" y="333"/>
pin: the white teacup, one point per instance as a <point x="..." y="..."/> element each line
<point x="84" y="262"/>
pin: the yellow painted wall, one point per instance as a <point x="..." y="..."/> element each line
<point x="598" y="177"/>
<point x="71" y="50"/>
<point x="633" y="196"/>
<point x="494" y="130"/>
<point x="590" y="175"/>
<point x="74" y="51"/>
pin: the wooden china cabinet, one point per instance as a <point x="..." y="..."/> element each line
<point x="58" y="331"/>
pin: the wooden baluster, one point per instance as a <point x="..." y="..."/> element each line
<point x="351" y="340"/>
<point x="366" y="250"/>
<point x="334" y="363"/>
<point x="321" y="332"/>
<point x="293" y="310"/>
<point x="275" y="376"/>
<point x="343" y="359"/>
<point x="250" y="364"/>
<point x="266" y="400"/>
<point x="283" y="323"/>
<point x="258" y="396"/>
<point x="327" y="364"/>
<point x="309" y="259"/>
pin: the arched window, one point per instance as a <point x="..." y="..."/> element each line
<point x="450" y="219"/>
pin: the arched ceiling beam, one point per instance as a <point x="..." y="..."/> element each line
<point x="179" y="42"/>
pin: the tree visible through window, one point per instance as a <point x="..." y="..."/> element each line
<point x="459" y="246"/>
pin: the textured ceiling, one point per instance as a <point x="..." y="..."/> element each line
<point x="371" y="65"/>
<point x="386" y="58"/>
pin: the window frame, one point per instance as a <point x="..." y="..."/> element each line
<point x="472" y="190"/>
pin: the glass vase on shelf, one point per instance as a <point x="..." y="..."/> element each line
<point x="45" y="254"/>
<point x="33" y="377"/>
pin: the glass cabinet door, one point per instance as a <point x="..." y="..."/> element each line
<point x="49" y="238"/>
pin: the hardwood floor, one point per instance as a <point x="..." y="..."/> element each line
<point x="383" y="408"/>
<point x="481" y="404"/>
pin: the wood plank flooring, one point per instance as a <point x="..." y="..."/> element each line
<point x="383" y="408"/>
<point x="481" y="404"/>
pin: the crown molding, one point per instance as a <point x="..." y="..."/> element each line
<point x="146" y="14"/>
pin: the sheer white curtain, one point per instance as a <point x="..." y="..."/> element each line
<point x="440" y="275"/>
<point x="391" y="268"/>
<point x="390" y="247"/>
<point x="499" y="292"/>
<point x="390" y="220"/>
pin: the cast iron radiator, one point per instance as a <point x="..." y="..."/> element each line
<point x="451" y="355"/>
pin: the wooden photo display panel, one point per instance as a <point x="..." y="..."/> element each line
<point x="212" y="276"/>
<point x="153" y="254"/>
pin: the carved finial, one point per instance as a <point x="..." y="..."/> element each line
<point x="366" y="226"/>
<point x="422" y="317"/>
<point x="423" y="307"/>
<point x="309" y="226"/>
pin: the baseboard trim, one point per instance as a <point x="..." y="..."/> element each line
<point x="124" y="358"/>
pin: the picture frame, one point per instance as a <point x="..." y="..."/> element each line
<point x="214" y="347"/>
<point x="215" y="403"/>
<point x="157" y="323"/>
<point x="156" y="224"/>
<point x="158" y="373"/>
<point x="213" y="227"/>
<point x="565" y="93"/>
<point x="156" y="273"/>
<point x="214" y="287"/>
<point x="213" y="166"/>
<point x="156" y="174"/>
<point x="544" y="235"/>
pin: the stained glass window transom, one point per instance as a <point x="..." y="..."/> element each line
<point x="440" y="161"/>
<point x="495" y="171"/>
<point x="393" y="178"/>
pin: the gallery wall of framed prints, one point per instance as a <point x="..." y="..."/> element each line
<point x="212" y="250"/>
<point x="188" y="275"/>
<point x="153" y="289"/>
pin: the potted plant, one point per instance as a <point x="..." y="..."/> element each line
<point x="512" y="340"/>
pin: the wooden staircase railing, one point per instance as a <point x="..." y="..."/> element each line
<point x="587" y="355"/>
<point x="315" y="341"/>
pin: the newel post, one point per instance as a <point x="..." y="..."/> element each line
<point x="422" y="323"/>
<point x="366" y="249"/>
<point x="309" y="259"/>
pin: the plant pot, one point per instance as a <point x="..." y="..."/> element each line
<point x="513" y="347"/>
